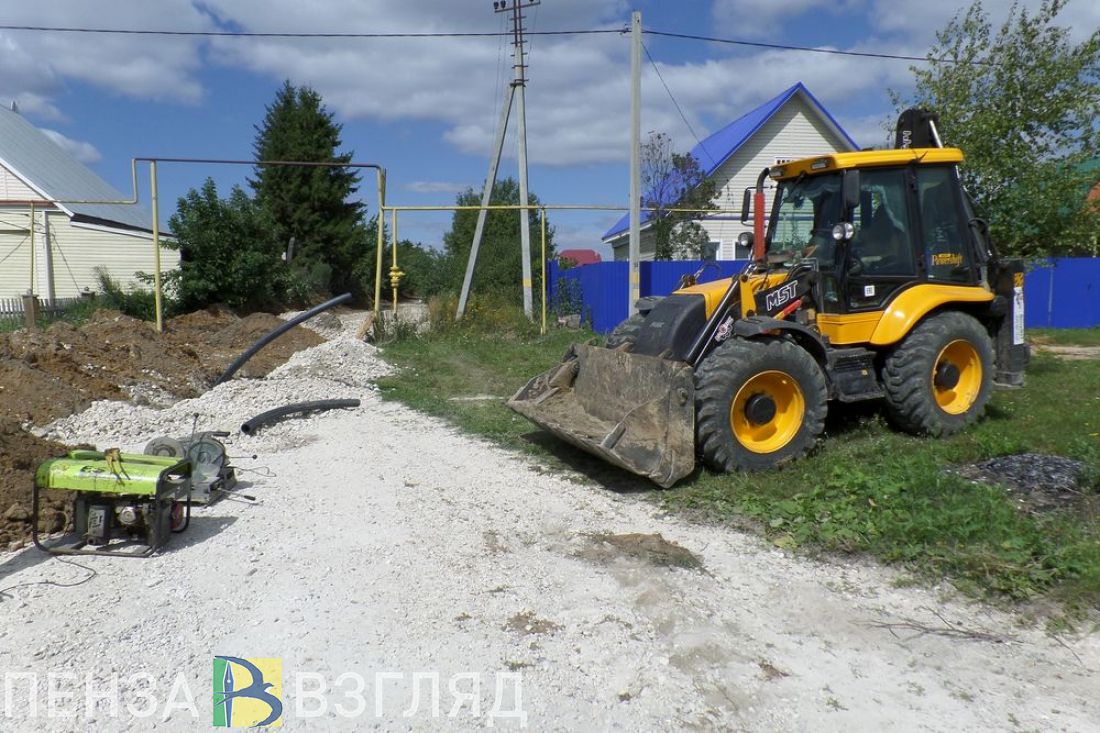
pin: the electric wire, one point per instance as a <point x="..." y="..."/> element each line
<point x="14" y="249"/>
<point x="487" y="34"/>
<point x="677" y="105"/>
<point x="91" y="574"/>
<point x="65" y="260"/>
<point x="261" y="34"/>
<point x="812" y="49"/>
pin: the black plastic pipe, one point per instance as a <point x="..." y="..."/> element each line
<point x="276" y="333"/>
<point x="250" y="427"/>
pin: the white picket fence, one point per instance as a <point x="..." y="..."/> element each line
<point x="11" y="309"/>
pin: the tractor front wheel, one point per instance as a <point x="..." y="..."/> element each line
<point x="758" y="404"/>
<point x="939" y="379"/>
<point x="626" y="332"/>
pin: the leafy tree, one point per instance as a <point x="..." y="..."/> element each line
<point x="500" y="261"/>
<point x="426" y="269"/>
<point x="227" y="254"/>
<point x="1023" y="103"/>
<point x="674" y="181"/>
<point x="310" y="205"/>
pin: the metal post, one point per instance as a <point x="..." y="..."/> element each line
<point x="635" y="158"/>
<point x="33" y="264"/>
<point x="545" y="287"/>
<point x="51" y="289"/>
<point x="520" y="84"/>
<point x="525" y="219"/>
<point x="486" y="197"/>
<point x="380" y="244"/>
<point x="393" y="270"/>
<point x="156" y="244"/>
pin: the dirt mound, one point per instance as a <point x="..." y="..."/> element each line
<point x="226" y="344"/>
<point x="46" y="375"/>
<point x="20" y="454"/>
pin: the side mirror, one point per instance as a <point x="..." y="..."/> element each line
<point x="746" y="203"/>
<point x="851" y="190"/>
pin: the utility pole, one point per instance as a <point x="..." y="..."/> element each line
<point x="635" y="160"/>
<point x="515" y="93"/>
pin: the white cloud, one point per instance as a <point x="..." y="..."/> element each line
<point x="146" y="67"/>
<point x="578" y="98"/>
<point x="436" y="187"/>
<point x="82" y="151"/>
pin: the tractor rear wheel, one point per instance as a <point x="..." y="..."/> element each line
<point x="939" y="379"/>
<point x="758" y="404"/>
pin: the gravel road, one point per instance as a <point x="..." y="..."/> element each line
<point x="389" y="557"/>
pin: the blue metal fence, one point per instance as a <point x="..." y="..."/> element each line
<point x="1064" y="293"/>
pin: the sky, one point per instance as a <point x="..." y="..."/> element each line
<point x="427" y="109"/>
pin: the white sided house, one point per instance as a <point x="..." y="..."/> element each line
<point x="793" y="125"/>
<point x="50" y="243"/>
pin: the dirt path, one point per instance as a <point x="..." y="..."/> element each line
<point x="385" y="542"/>
<point x="1071" y="352"/>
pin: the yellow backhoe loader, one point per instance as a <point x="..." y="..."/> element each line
<point x="874" y="279"/>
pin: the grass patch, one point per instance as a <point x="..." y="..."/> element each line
<point x="1065" y="336"/>
<point x="866" y="489"/>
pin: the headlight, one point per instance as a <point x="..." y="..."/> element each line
<point x="844" y="231"/>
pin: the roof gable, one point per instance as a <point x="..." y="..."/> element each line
<point x="715" y="150"/>
<point x="47" y="168"/>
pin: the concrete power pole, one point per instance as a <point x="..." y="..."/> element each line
<point x="515" y="92"/>
<point x="635" y="160"/>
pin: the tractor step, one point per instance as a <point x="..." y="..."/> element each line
<point x="852" y="375"/>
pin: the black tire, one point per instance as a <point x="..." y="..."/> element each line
<point x="626" y="332"/>
<point x="939" y="379"/>
<point x="728" y="436"/>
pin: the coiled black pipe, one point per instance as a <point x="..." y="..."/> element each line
<point x="276" y="333"/>
<point x="250" y="427"/>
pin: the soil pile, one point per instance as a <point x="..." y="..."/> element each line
<point x="47" y="375"/>
<point x="20" y="454"/>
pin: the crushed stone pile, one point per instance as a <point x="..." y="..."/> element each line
<point x="344" y="359"/>
<point x="1039" y="482"/>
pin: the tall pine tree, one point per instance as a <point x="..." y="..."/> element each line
<point x="310" y="205"/>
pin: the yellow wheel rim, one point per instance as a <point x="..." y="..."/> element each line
<point x="957" y="377"/>
<point x="778" y="389"/>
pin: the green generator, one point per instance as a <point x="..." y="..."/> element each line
<point x="124" y="504"/>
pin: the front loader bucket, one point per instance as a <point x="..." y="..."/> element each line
<point x="637" y="412"/>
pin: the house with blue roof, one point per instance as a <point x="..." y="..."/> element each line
<point x="57" y="222"/>
<point x="792" y="125"/>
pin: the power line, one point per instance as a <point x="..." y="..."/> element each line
<point x="486" y="34"/>
<point x="811" y="49"/>
<point x="251" y="34"/>
<point x="677" y="104"/>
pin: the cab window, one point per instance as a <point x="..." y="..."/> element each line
<point x="946" y="240"/>
<point x="883" y="244"/>
<point x="806" y="211"/>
